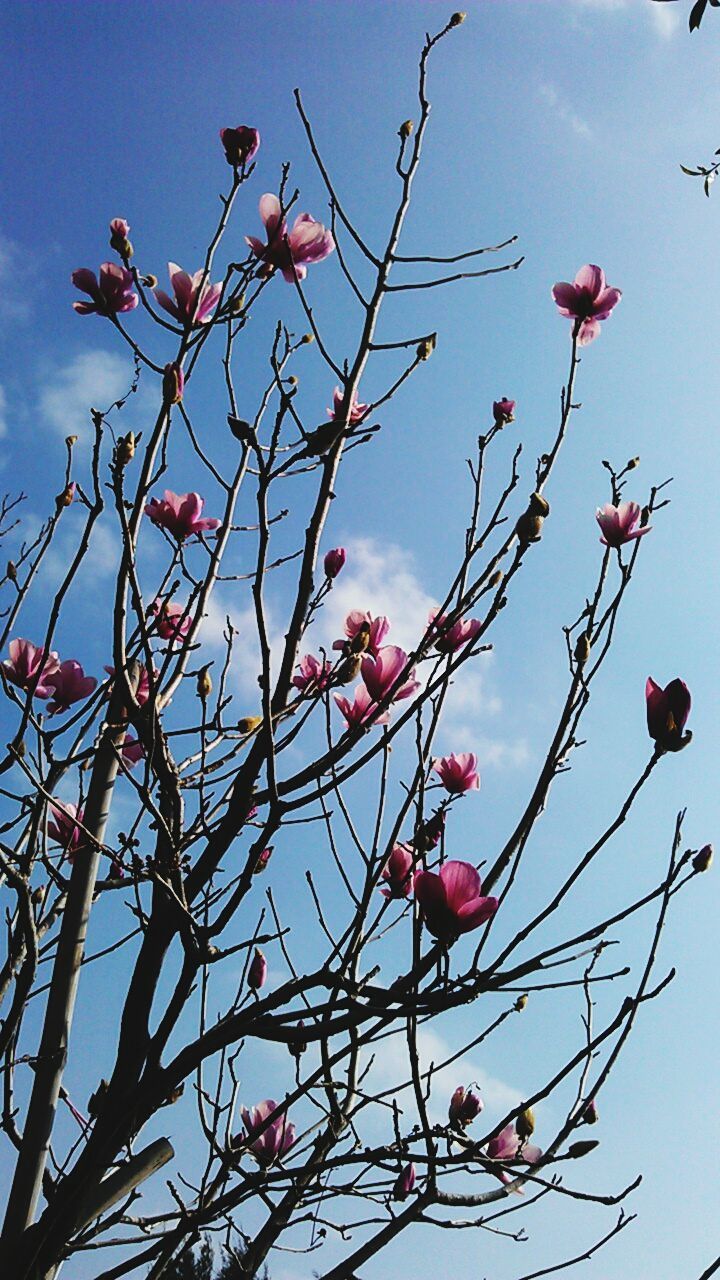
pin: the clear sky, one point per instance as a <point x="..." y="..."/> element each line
<point x="564" y="123"/>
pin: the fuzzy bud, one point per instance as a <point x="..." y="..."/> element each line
<point x="204" y="684"/>
<point x="632" y="464"/>
<point x="173" y="383"/>
<point x="520" y="1003"/>
<point x="237" y="304"/>
<point x="262" y="860"/>
<point x="406" y="129"/>
<point x="70" y="441"/>
<point x="149" y="281"/>
<point x="293" y="380"/>
<point x="308" y="338"/>
<point x="361" y="639"/>
<point x="644" y="517"/>
<point x="125" y="450"/>
<point x="349" y="670"/>
<point x="496" y="578"/>
<point x="333" y="562"/>
<point x="590" y="1114"/>
<point x="457" y="19"/>
<point x="582" y="649"/>
<point x="257" y="973"/>
<point x="703" y="858"/>
<point x="11" y="571"/>
<point x="38" y="894"/>
<point x="240" y="429"/>
<point x="529" y="528"/>
<point x="580" y="1149"/>
<point x="525" y="1124"/>
<point x="248" y="724"/>
<point x="119" y="229"/>
<point x="65" y="498"/>
<point x="426" y="347"/>
<point x="299" y="1047"/>
<point x="538" y="505"/>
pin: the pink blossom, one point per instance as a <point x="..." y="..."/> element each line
<point x="397" y="873"/>
<point x="333" y="562"/>
<point x="357" y="410"/>
<point x="26" y="662"/>
<point x="173" y="383"/>
<point x="380" y="674"/>
<point x="667" y="713"/>
<point x="257" y="973"/>
<point x="458" y="773"/>
<point x="312" y="673"/>
<point x="263" y="857"/>
<point x="119" y="232"/>
<point x="240" y="145"/>
<point x="355" y="622"/>
<point x="450" y="902"/>
<point x="180" y="514"/>
<point x="64" y="829"/>
<point x="451" y="638"/>
<point x="503" y="411"/>
<point x="291" y="252"/>
<point x="67" y="685"/>
<point x="171" y="620"/>
<point x="112" y="294"/>
<point x="508" y="1146"/>
<point x="132" y="751"/>
<point x="404" y="1183"/>
<point x="464" y="1107"/>
<point x="586" y="302"/>
<point x="275" y="1140"/>
<point x="362" y="711"/>
<point x="194" y="301"/>
<point x="142" y="693"/>
<point x="620" y="524"/>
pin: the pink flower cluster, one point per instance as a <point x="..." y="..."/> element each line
<point x="60" y="683"/>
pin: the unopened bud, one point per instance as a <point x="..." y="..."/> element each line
<point x="204" y="684"/>
<point x="293" y="380"/>
<point x="70" y="441"/>
<point x="582" y="649"/>
<point x="703" y="858"/>
<point x="173" y="383"/>
<point x="525" y="1124"/>
<point x="38" y="894"/>
<point x="240" y="428"/>
<point x="361" y="639"/>
<point x="257" y="973"/>
<point x="580" y="1149"/>
<point x="632" y="464"/>
<point x="65" y="498"/>
<point x="496" y="579"/>
<point x="520" y="1003"/>
<point x="262" y="860"/>
<point x="149" y="281"/>
<point x="457" y="19"/>
<point x="119" y="229"/>
<point x="406" y="129"/>
<point x="644" y="517"/>
<point x="349" y="670"/>
<point x="590" y="1114"/>
<point x="237" y="303"/>
<point x="11" y="571"/>
<point x="538" y="505"/>
<point x="298" y="1047"/>
<point x="308" y="338"/>
<point x="125" y="449"/>
<point x="249" y="723"/>
<point x="529" y="528"/>
<point x="426" y="347"/>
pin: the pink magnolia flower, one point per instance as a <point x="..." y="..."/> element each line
<point x="450" y="902"/>
<point x="503" y="411"/>
<point x="397" y="873"/>
<point x="142" y="693"/>
<point x="26" y="661"/>
<point x="193" y="304"/>
<point x="173" y="383"/>
<point x="381" y="673"/>
<point x="620" y="524"/>
<point x="357" y="410"/>
<point x="464" y="1107"/>
<point x="362" y="711"/>
<point x="240" y="145"/>
<point x="171" y="621"/>
<point x="451" y="638"/>
<point x="275" y="1140"/>
<point x="66" y="685"/>
<point x="312" y="673"/>
<point x="291" y="252"/>
<point x="262" y="859"/>
<point x="180" y="514"/>
<point x="355" y="621"/>
<point x="333" y="562"/>
<point x="257" y="973"/>
<point x="586" y="302"/>
<point x="458" y="773"/>
<point x="508" y="1146"/>
<point x="64" y="829"/>
<point x="667" y="713"/>
<point x="132" y="751"/>
<point x="119" y="232"/>
<point x="111" y="294"/>
<point x="404" y="1183"/>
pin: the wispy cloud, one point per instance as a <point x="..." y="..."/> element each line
<point x="663" y="18"/>
<point x="17" y="275"/>
<point x="3" y="411"/>
<point x="562" y="109"/>
<point x="92" y="379"/>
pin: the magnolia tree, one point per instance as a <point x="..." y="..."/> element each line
<point x="389" y="925"/>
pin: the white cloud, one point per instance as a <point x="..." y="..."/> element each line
<point x="17" y="272"/>
<point x="3" y="411"/>
<point x="665" y="20"/>
<point x="664" y="17"/>
<point x="563" y="110"/>
<point x="380" y="579"/>
<point x="94" y="379"/>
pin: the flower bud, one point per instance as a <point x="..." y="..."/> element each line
<point x="333" y="562"/>
<point x="262" y="860"/>
<point x="525" y="1124"/>
<point x="248" y="724"/>
<point x="257" y="973"/>
<point x="361" y="639"/>
<point x="125" y="449"/>
<point x="457" y="19"/>
<point x="538" y="505"/>
<point x="299" y="1047"/>
<point x="70" y="441"/>
<point x="404" y="1183"/>
<point x="426" y="347"/>
<point x="293" y="380"/>
<point x="38" y="894"/>
<point x="496" y="578"/>
<point x="520" y="1003"/>
<point x="703" y="858"/>
<point x="240" y="145"/>
<point x="632" y="464"/>
<point x="173" y="383"/>
<point x="119" y="230"/>
<point x="204" y="684"/>
<point x="308" y="338"/>
<point x="65" y="498"/>
<point x="582" y="649"/>
<point x="590" y="1114"/>
<point x="529" y="528"/>
<point x="503" y="411"/>
<point x="580" y="1149"/>
<point x="464" y="1107"/>
<point x="11" y="571"/>
<point x="644" y="517"/>
<point x="349" y="669"/>
<point x="237" y="304"/>
<point x="150" y="281"/>
<point x="406" y="129"/>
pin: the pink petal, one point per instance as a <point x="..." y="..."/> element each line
<point x="591" y="278"/>
<point x="589" y="331"/>
<point x="270" y="211"/>
<point x="461" y="882"/>
<point x="475" y="913"/>
<point x="565" y="296"/>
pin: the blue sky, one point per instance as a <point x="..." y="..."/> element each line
<point x="564" y="123"/>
